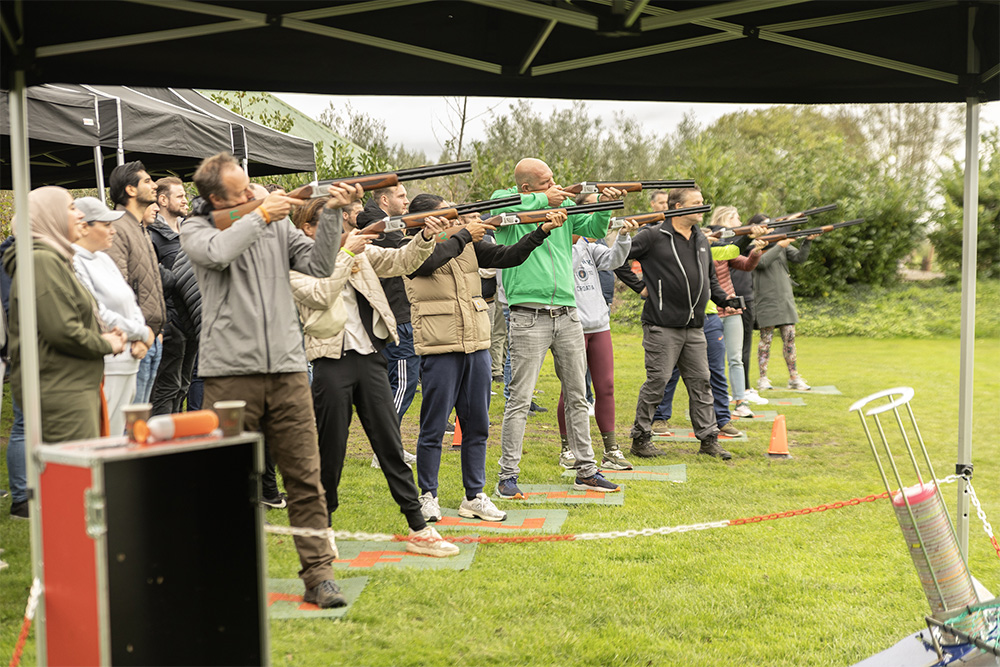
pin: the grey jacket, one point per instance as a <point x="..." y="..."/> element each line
<point x="588" y="259"/>
<point x="249" y="322"/>
<point x="772" y="285"/>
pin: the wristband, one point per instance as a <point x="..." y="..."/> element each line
<point x="264" y="214"/>
<point x="347" y="251"/>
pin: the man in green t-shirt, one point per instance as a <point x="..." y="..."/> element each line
<point x="542" y="297"/>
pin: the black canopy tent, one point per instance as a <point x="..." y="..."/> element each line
<point x="73" y="127"/>
<point x="738" y="51"/>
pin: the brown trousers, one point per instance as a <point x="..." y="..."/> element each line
<point x="280" y="406"/>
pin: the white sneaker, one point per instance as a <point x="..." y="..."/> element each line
<point x="481" y="507"/>
<point x="333" y="546"/>
<point x="742" y="409"/>
<point x="798" y="384"/>
<point x="430" y="507"/>
<point x="763" y="384"/>
<point x="755" y="398"/>
<point x="432" y="544"/>
<point x="567" y="460"/>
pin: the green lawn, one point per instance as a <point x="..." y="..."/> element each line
<point x="828" y="588"/>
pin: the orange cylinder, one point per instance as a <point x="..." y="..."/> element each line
<point x="182" y="425"/>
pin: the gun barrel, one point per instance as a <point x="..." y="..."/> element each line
<point x="668" y="185"/>
<point x="434" y="171"/>
<point x="480" y="206"/>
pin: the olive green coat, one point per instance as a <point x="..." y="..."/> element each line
<point x="774" y="302"/>
<point x="70" y="347"/>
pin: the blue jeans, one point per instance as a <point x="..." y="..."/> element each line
<point x="732" y="326"/>
<point x="17" y="470"/>
<point x="403" y="366"/>
<point x="717" y="376"/>
<point x="532" y="334"/>
<point x="461" y="381"/>
<point x="147" y="372"/>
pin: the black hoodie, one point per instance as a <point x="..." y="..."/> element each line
<point x="679" y="274"/>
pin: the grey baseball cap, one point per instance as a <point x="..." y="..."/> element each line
<point x="94" y="210"/>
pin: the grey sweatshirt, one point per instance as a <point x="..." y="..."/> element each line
<point x="116" y="305"/>
<point x="588" y="259"/>
<point x="249" y="323"/>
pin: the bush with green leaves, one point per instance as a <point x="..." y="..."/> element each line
<point x="947" y="238"/>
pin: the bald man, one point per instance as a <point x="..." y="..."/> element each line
<point x="542" y="297"/>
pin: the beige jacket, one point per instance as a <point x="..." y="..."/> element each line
<point x="447" y="308"/>
<point x="363" y="272"/>
<point x="134" y="255"/>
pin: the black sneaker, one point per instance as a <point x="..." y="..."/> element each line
<point x="710" y="446"/>
<point x="535" y="407"/>
<point x="325" y="595"/>
<point x="596" y="483"/>
<point x="279" y="503"/>
<point x="450" y="428"/>
<point x="643" y="447"/>
<point x="19" y="510"/>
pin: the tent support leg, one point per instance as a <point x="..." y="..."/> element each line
<point x="970" y="240"/>
<point x="99" y="168"/>
<point x="970" y="235"/>
<point x="28" y="329"/>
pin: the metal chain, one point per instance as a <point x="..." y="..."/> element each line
<point x="563" y="537"/>
<point x="982" y="515"/>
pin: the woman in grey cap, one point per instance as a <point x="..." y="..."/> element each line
<point x="116" y="304"/>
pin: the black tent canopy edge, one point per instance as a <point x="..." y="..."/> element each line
<point x="774" y="51"/>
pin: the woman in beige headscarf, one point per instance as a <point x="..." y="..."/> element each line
<point x="71" y="347"/>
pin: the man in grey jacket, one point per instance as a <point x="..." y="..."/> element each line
<point x="251" y="344"/>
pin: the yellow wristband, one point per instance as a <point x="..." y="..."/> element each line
<point x="348" y="252"/>
<point x="264" y="214"/>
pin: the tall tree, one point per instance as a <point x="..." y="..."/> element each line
<point x="947" y="237"/>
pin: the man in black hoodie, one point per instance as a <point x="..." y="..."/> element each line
<point x="679" y="275"/>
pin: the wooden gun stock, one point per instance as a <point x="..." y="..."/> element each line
<point x="408" y="221"/>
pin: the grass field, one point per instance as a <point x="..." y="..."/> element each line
<point x="827" y="588"/>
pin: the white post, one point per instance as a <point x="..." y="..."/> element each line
<point x="970" y="236"/>
<point x="28" y="332"/>
<point x="970" y="239"/>
<point x="99" y="167"/>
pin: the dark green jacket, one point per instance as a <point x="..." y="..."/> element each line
<point x="70" y="347"/>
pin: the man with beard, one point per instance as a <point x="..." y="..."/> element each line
<point x="133" y="190"/>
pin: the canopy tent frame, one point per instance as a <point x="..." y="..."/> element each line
<point x="629" y="14"/>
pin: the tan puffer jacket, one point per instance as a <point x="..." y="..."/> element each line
<point x="363" y="272"/>
<point x="134" y="255"/>
<point x="447" y="308"/>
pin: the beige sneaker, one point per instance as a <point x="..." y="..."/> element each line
<point x="431" y="544"/>
<point x="662" y="428"/>
<point x="730" y="431"/>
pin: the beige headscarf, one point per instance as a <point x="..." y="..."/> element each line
<point x="49" y="208"/>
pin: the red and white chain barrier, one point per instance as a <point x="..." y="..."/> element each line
<point x="645" y="532"/>
<point x="29" y="615"/>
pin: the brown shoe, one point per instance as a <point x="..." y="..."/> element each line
<point x="644" y="449"/>
<point x="730" y="431"/>
<point x="710" y="446"/>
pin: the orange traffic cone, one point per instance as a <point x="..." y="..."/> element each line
<point x="456" y="441"/>
<point x="779" y="440"/>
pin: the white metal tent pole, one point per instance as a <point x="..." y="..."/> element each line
<point x="970" y="236"/>
<point x="970" y="239"/>
<point x="28" y="331"/>
<point x="99" y="166"/>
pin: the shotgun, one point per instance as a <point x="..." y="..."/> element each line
<point x="223" y="218"/>
<point x="657" y="216"/>
<point x="416" y="220"/>
<point x="812" y="211"/>
<point x="539" y="216"/>
<point x="809" y="232"/>
<point x="590" y="187"/>
<point x="727" y="232"/>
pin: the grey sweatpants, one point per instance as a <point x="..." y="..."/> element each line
<point x="687" y="350"/>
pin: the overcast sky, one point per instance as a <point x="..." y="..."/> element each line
<point x="422" y="123"/>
